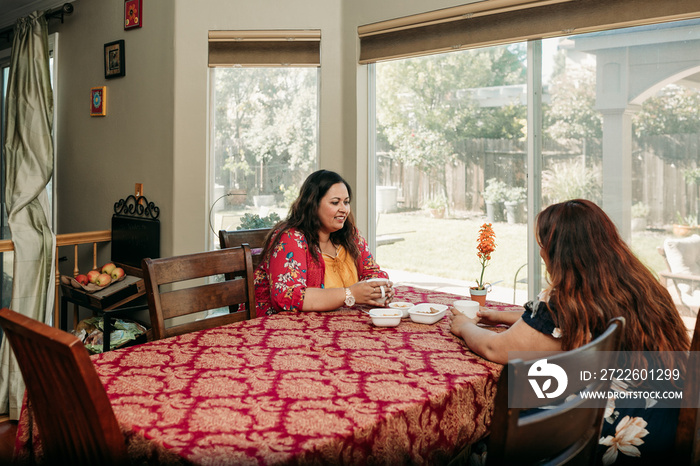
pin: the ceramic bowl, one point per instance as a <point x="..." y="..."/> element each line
<point x="425" y="313"/>
<point x="403" y="306"/>
<point x="385" y="317"/>
<point x="467" y="307"/>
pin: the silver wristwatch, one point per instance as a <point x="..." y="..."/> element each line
<point x="349" y="298"/>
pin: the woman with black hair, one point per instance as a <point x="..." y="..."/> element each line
<point x="315" y="259"/>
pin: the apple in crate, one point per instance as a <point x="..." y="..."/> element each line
<point x="108" y="267"/>
<point x="117" y="274"/>
<point x="82" y="279"/>
<point x="103" y="279"/>
<point x="92" y="275"/>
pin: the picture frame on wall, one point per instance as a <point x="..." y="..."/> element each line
<point x="98" y="103"/>
<point x="133" y="17"/>
<point x="115" y="64"/>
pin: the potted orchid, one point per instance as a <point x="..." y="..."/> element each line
<point x="486" y="244"/>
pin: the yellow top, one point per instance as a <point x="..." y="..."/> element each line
<point x="341" y="270"/>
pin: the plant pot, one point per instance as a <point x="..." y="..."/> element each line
<point x="494" y="212"/>
<point x="682" y="230"/>
<point x="478" y="295"/>
<point x="514" y="212"/>
<point x="437" y="213"/>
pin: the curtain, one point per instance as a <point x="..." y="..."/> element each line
<point x="28" y="169"/>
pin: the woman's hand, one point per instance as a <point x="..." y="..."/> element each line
<point x="458" y="320"/>
<point x="491" y="317"/>
<point x="369" y="292"/>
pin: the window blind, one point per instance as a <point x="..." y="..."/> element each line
<point x="265" y="48"/>
<point x="495" y="22"/>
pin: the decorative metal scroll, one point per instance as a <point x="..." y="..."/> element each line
<point x="136" y="207"/>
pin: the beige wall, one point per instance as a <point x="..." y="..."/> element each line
<point x="155" y="131"/>
<point x="192" y="23"/>
<point x="100" y="158"/>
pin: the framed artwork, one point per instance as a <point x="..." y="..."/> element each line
<point x="132" y="14"/>
<point x="115" y="65"/>
<point x="98" y="103"/>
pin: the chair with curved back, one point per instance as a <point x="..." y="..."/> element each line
<point x="75" y="420"/>
<point x="254" y="238"/>
<point x="192" y="297"/>
<point x="563" y="432"/>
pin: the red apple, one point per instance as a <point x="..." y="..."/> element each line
<point x="103" y="279"/>
<point x="82" y="279"/>
<point x="108" y="267"/>
<point x="92" y="275"/>
<point x="117" y="274"/>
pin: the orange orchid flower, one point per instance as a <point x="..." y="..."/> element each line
<point x="486" y="244"/>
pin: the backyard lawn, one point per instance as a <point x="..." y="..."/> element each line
<point x="447" y="247"/>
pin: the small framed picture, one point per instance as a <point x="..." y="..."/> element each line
<point x="115" y="65"/>
<point x="98" y="103"/>
<point x="132" y="14"/>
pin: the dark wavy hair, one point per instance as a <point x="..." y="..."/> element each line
<point x="594" y="276"/>
<point x="303" y="215"/>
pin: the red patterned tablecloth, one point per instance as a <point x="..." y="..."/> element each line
<point x="312" y="387"/>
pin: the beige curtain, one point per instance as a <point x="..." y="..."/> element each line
<point x="28" y="169"/>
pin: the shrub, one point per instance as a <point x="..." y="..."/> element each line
<point x="254" y="221"/>
<point x="640" y="210"/>
<point x="568" y="180"/>
<point x="515" y="194"/>
<point x="495" y="191"/>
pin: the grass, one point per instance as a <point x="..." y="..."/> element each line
<point x="447" y="247"/>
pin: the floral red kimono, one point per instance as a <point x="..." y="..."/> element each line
<point x="281" y="282"/>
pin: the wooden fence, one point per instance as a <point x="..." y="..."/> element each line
<point x="657" y="173"/>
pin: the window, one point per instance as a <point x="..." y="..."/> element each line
<point x="616" y="123"/>
<point x="264" y="124"/>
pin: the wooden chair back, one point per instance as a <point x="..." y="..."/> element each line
<point x="189" y="296"/>
<point x="568" y="432"/>
<point x="687" y="448"/>
<point x="255" y="238"/>
<point x="73" y="414"/>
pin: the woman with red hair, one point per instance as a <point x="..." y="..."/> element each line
<point x="593" y="276"/>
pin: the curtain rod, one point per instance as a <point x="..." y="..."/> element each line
<point x="55" y="13"/>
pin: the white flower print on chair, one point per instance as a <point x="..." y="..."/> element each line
<point x="628" y="435"/>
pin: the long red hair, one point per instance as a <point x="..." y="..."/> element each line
<point x="594" y="276"/>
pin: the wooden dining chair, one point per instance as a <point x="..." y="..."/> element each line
<point x="562" y="432"/>
<point x="255" y="238"/>
<point x="74" y="417"/>
<point x="687" y="447"/>
<point x="188" y="295"/>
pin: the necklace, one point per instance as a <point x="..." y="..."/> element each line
<point x="335" y="249"/>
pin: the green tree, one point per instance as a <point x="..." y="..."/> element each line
<point x="265" y="117"/>
<point x="426" y="108"/>
<point x="571" y="115"/>
<point x="673" y="110"/>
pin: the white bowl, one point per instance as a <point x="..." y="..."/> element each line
<point x="467" y="307"/>
<point x="385" y="317"/>
<point x="423" y="313"/>
<point x="403" y="306"/>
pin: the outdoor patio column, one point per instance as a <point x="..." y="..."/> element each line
<point x="617" y="168"/>
<point x="613" y="102"/>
